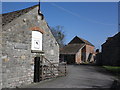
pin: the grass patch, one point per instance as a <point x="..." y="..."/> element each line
<point x="112" y="68"/>
<point x="115" y="70"/>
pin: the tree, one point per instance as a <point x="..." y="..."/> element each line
<point x="59" y="35"/>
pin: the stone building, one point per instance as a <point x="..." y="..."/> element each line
<point x="77" y="51"/>
<point x="111" y="51"/>
<point x="24" y="34"/>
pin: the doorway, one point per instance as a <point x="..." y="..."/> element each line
<point x="37" y="69"/>
<point x="70" y="59"/>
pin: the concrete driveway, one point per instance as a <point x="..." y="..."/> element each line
<point x="79" y="76"/>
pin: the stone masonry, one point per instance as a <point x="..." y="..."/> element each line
<point x="17" y="59"/>
<point x="0" y="53"/>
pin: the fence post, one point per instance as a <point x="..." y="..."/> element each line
<point x="41" y="68"/>
<point x="65" y="69"/>
<point x="58" y="69"/>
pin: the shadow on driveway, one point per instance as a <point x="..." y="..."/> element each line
<point x="79" y="76"/>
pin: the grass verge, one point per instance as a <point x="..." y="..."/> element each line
<point x="115" y="70"/>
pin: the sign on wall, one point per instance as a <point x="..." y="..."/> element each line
<point x="36" y="41"/>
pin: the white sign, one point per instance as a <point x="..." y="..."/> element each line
<point x="36" y="40"/>
<point x="52" y="52"/>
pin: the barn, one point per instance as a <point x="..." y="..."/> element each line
<point x="111" y="51"/>
<point x="77" y="51"/>
<point x="25" y="35"/>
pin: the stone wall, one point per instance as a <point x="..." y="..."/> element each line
<point x="17" y="59"/>
<point x="16" y="51"/>
<point x="0" y="52"/>
<point x="50" y="46"/>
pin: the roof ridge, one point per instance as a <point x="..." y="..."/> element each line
<point x="76" y="44"/>
<point x="30" y="7"/>
<point x="82" y="39"/>
<point x="8" y="17"/>
<point x="71" y="48"/>
<point x="85" y="41"/>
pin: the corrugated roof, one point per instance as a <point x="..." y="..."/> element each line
<point x="8" y="17"/>
<point x="71" y="48"/>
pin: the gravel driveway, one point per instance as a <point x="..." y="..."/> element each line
<point x="79" y="76"/>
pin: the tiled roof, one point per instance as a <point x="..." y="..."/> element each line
<point x="87" y="42"/>
<point x="8" y="17"/>
<point x="78" y="40"/>
<point x="71" y="48"/>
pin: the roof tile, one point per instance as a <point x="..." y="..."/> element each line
<point x="8" y="17"/>
<point x="71" y="48"/>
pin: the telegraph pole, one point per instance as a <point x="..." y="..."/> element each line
<point x="119" y="16"/>
<point x="39" y="7"/>
<point x="39" y="11"/>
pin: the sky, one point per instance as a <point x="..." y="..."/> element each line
<point x="93" y="21"/>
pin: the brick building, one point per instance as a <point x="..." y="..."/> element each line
<point x="111" y="51"/>
<point x="24" y="35"/>
<point x="77" y="51"/>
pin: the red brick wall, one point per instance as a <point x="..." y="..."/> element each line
<point x="86" y="52"/>
<point x="89" y="49"/>
<point x="78" y="57"/>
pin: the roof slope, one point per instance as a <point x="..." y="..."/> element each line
<point x="115" y="40"/>
<point x="8" y="17"/>
<point x="78" y="40"/>
<point x="71" y="48"/>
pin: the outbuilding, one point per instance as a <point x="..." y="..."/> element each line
<point x="111" y="51"/>
<point x="77" y="51"/>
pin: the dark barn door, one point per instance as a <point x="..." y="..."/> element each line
<point x="37" y="69"/>
<point x="70" y="59"/>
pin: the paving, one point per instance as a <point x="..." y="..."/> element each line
<point x="79" y="76"/>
